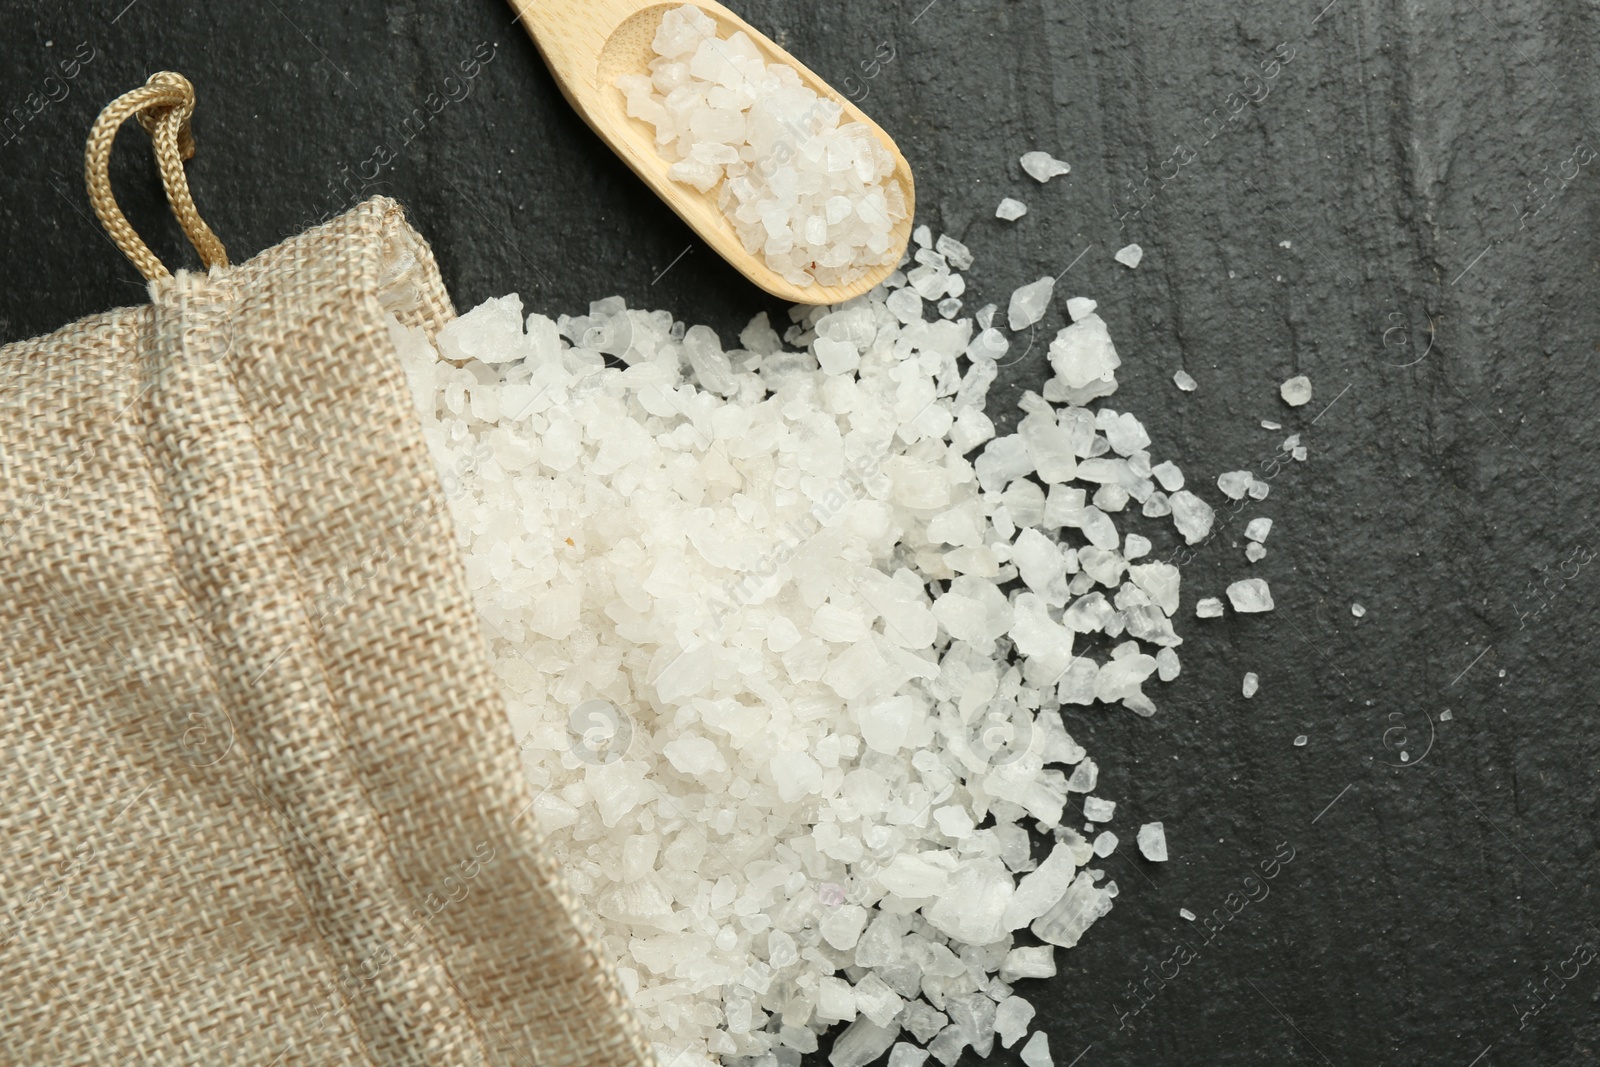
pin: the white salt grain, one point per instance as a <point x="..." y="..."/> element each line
<point x="1296" y="391"/>
<point x="1258" y="528"/>
<point x="1254" y="552"/>
<point x="1129" y="256"/>
<point x="1251" y="684"/>
<point x="1184" y="381"/>
<point x="1010" y="210"/>
<point x="1208" y="608"/>
<point x="1105" y="844"/>
<point x="1300" y="741"/>
<point x="905" y="1055"/>
<point x="1191" y="515"/>
<point x="1186" y="913"/>
<point x="1041" y="166"/>
<point x="1357" y="610"/>
<point x="1036" y="1053"/>
<point x="1011" y="1018"/>
<point x="1098" y="810"/>
<point x="1028" y="303"/>
<point x="1250" y="595"/>
<point x="1234" y="484"/>
<point x="1153" y="842"/>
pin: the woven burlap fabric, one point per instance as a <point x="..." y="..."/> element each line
<point x="262" y="805"/>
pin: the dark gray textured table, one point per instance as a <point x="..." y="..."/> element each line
<point x="1406" y="213"/>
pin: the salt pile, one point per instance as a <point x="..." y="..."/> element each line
<point x="813" y="196"/>
<point x="785" y="631"/>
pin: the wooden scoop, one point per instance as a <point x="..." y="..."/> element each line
<point x="589" y="43"/>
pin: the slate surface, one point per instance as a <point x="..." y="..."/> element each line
<point x="1405" y="212"/>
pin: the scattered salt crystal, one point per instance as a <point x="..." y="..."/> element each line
<point x="1254" y="552"/>
<point x="1251" y="684"/>
<point x="1268" y="424"/>
<point x="1153" y="842"/>
<point x="1258" y="528"/>
<point x="1191" y="515"/>
<point x="1135" y="547"/>
<point x="1010" y="210"/>
<point x="1098" y="810"/>
<point x="1028" y="303"/>
<point x="1357" y="610"/>
<point x="1079" y="307"/>
<point x="1296" y="391"/>
<point x="1167" y="665"/>
<point x="1034" y="961"/>
<point x="1249" y="595"/>
<point x="1446" y="715"/>
<point x="1186" y="913"/>
<point x="1258" y="489"/>
<point x="1129" y="256"/>
<point x="1168" y="474"/>
<point x="1041" y="166"/>
<point x="907" y="1055"/>
<point x="1011" y="1018"/>
<point x="1234" y="484"/>
<point x="1299" y="742"/>
<point x="862" y="1042"/>
<point x="1184" y="381"/>
<point x="1036" y="1053"/>
<point x="1105" y="844"/>
<point x="1209" y="608"/>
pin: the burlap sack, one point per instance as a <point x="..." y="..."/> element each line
<point x="262" y="805"/>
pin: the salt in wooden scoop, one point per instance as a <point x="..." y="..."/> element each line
<point x="588" y="44"/>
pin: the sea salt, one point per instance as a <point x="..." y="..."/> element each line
<point x="1097" y="810"/>
<point x="1011" y="1018"/>
<point x="1234" y="484"/>
<point x="1036" y="1053"/>
<point x="1208" y="608"/>
<point x="1251" y="684"/>
<point x="1041" y="166"/>
<point x="1105" y="844"/>
<point x="1250" y="595"/>
<point x="1129" y="256"/>
<point x="1028" y="303"/>
<point x="1186" y="914"/>
<point x="1255" y="552"/>
<point x="1191" y="515"/>
<point x="1296" y="391"/>
<point x="1300" y="741"/>
<point x="1153" y="842"/>
<point x="812" y="194"/>
<point x="1010" y="210"/>
<point x="1258" y="528"/>
<point x="1357" y="610"/>
<point x="1184" y="381"/>
<point x="822" y="621"/>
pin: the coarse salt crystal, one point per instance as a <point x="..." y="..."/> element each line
<point x="1042" y="166"/>
<point x="1296" y="391"/>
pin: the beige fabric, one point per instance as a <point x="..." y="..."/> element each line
<point x="262" y="805"/>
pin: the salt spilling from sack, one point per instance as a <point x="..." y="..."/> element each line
<point x="815" y="198"/>
<point x="785" y="631"/>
